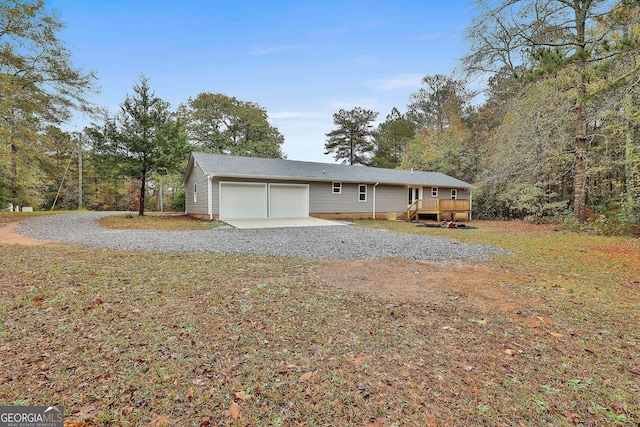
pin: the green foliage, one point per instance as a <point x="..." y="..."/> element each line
<point x="4" y="186"/>
<point x="435" y="104"/>
<point x="221" y="124"/>
<point x="39" y="86"/>
<point x="178" y="203"/>
<point x="588" y="49"/>
<point x="144" y="138"/>
<point x="445" y="142"/>
<point x="351" y="141"/>
<point x="391" y="139"/>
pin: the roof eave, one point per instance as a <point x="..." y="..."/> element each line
<point x="325" y="179"/>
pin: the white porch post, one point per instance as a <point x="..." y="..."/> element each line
<point x="374" y="199"/>
<point x="210" y="197"/>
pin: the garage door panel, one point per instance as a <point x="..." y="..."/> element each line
<point x="243" y="200"/>
<point x="288" y="200"/>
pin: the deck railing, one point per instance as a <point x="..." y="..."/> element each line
<point x="436" y="206"/>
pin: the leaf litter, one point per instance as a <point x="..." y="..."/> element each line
<point x="227" y="340"/>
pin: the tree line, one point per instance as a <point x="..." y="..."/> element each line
<point x="552" y="135"/>
<point x="123" y="157"/>
<point x="555" y="135"/>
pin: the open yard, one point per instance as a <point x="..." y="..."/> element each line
<point x="548" y="335"/>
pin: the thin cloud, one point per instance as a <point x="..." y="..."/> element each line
<point x="432" y="36"/>
<point x="273" y="49"/>
<point x="412" y="80"/>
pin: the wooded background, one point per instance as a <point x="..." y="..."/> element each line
<point x="553" y="135"/>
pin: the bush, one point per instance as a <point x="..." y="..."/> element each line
<point x="178" y="203"/>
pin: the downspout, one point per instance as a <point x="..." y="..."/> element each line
<point x="210" y="197"/>
<point x="470" y="202"/>
<point x="374" y="199"/>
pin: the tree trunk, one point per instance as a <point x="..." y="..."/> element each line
<point x="580" y="179"/>
<point x="580" y="167"/>
<point x="14" y="171"/>
<point x="141" y="199"/>
<point x="631" y="167"/>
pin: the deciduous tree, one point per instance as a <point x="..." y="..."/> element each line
<point x="537" y="39"/>
<point x="221" y="124"/>
<point x="38" y="83"/>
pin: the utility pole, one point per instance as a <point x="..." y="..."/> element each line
<point x="79" y="171"/>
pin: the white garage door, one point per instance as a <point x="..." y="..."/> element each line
<point x="243" y="200"/>
<point x="288" y="200"/>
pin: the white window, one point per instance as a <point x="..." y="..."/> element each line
<point x="195" y="193"/>
<point x="336" y="188"/>
<point x="454" y="194"/>
<point x="434" y="191"/>
<point x="362" y="193"/>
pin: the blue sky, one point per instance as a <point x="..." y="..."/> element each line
<point x="301" y="60"/>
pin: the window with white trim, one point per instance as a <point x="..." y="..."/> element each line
<point x="454" y="194"/>
<point x="362" y="193"/>
<point x="195" y="193"/>
<point x="336" y="188"/>
<point x="434" y="191"/>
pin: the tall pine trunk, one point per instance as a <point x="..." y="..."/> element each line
<point x="631" y="167"/>
<point x="580" y="167"/>
<point x="143" y="183"/>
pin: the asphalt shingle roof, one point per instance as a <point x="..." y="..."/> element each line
<point x="226" y="166"/>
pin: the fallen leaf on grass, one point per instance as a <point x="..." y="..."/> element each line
<point x="305" y="377"/>
<point x="241" y="395"/>
<point x="162" y="420"/>
<point x="78" y="424"/>
<point x="555" y="334"/>
<point x="359" y="359"/>
<point x="510" y="352"/>
<point x="234" y="410"/>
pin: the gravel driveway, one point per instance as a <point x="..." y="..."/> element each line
<point x="346" y="242"/>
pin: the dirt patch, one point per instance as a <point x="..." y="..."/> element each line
<point x="402" y="279"/>
<point x="8" y="236"/>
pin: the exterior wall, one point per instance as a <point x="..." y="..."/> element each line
<point x="216" y="188"/>
<point x="322" y="201"/>
<point x="389" y="198"/>
<point x="444" y="193"/>
<point x="198" y="178"/>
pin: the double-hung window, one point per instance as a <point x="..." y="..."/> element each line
<point x="336" y="188"/>
<point x="362" y="193"/>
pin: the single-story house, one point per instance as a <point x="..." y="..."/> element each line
<point x="232" y="187"/>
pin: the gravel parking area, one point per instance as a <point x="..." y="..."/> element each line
<point x="347" y="242"/>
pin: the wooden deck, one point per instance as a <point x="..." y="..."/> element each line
<point x="454" y="210"/>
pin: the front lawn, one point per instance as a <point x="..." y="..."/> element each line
<point x="548" y="336"/>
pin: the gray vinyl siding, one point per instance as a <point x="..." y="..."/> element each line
<point x="197" y="177"/>
<point x="389" y="198"/>
<point x="444" y="193"/>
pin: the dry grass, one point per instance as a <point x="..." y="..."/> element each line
<point x="157" y="221"/>
<point x="159" y="339"/>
